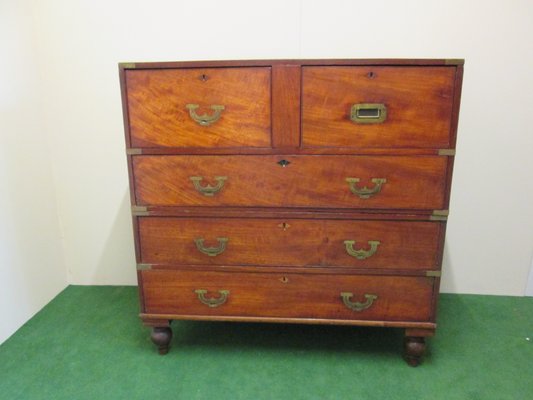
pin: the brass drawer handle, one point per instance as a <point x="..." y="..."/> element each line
<point x="211" y="251"/>
<point x="204" y="119"/>
<point x="364" y="192"/>
<point x="361" y="254"/>
<point x="208" y="190"/>
<point x="355" y="305"/>
<point x="368" y="113"/>
<point x="211" y="301"/>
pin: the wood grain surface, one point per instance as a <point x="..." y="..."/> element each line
<point x="158" y="115"/>
<point x="287" y="295"/>
<point x="419" y="104"/>
<point x="289" y="242"/>
<point x="307" y="181"/>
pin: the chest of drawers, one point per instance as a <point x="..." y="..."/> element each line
<point x="294" y="191"/>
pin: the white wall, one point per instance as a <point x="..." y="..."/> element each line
<point x="32" y="270"/>
<point x="490" y="233"/>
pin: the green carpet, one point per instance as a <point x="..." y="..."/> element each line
<point x="89" y="344"/>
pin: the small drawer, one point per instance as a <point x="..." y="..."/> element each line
<point x="409" y="245"/>
<point x="199" y="107"/>
<point x="287" y="295"/>
<point x="358" y="182"/>
<point x="371" y="106"/>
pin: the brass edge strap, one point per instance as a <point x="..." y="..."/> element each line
<point x="441" y="213"/>
<point x="132" y="152"/>
<point x="140" y="211"/>
<point x="434" y="274"/>
<point x="127" y="65"/>
<point x="446" y="152"/>
<point x="144" y="267"/>
<point x="454" y="61"/>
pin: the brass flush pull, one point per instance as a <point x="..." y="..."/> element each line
<point x="211" y="251"/>
<point x="204" y="119"/>
<point x="208" y="190"/>
<point x="284" y="163"/>
<point x="357" y="306"/>
<point x="361" y="254"/>
<point x="368" y="113"/>
<point x="364" y="192"/>
<point x="211" y="301"/>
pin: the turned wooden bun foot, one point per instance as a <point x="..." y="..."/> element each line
<point x="161" y="337"/>
<point x="414" y="349"/>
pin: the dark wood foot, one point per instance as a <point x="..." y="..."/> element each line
<point x="161" y="336"/>
<point x="414" y="349"/>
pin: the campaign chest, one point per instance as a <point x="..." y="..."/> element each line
<point x="292" y="191"/>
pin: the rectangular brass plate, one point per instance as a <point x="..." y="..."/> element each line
<point x="446" y="152"/>
<point x="140" y="211"/>
<point x="133" y="152"/>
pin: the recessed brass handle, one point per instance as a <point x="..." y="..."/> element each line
<point x="355" y="305"/>
<point x="208" y="190"/>
<point x="204" y="119"/>
<point x="368" y="113"/>
<point x="364" y="192"/>
<point x="212" y="301"/>
<point x="211" y="251"/>
<point x="361" y="254"/>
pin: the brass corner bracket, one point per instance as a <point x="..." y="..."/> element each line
<point x="439" y="215"/>
<point x="139" y="211"/>
<point x="144" y="267"/>
<point x="446" y="152"/>
<point x="132" y="152"/>
<point x="434" y="274"/>
<point x="127" y="65"/>
<point x="454" y="61"/>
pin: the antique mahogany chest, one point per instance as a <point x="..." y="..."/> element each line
<point x="302" y="191"/>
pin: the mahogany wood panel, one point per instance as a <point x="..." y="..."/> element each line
<point x="287" y="295"/>
<point x="307" y="181"/>
<point x="286" y="81"/>
<point x="158" y="115"/>
<point x="289" y="242"/>
<point x="419" y="104"/>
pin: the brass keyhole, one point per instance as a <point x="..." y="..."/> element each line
<point x="284" y="163"/>
<point x="284" y="226"/>
<point x="284" y="279"/>
<point x="204" y="77"/>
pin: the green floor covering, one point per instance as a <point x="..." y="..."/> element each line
<point x="89" y="344"/>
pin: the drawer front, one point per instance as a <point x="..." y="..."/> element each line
<point x="205" y="293"/>
<point x="293" y="242"/>
<point x="199" y="107"/>
<point x="359" y="182"/>
<point x="377" y="106"/>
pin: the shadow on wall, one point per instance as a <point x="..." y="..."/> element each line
<point x="117" y="262"/>
<point x="447" y="283"/>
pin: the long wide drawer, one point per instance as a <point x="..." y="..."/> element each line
<point x="199" y="107"/>
<point x="359" y="182"/>
<point x="369" y="106"/>
<point x="292" y="242"/>
<point x="287" y="295"/>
